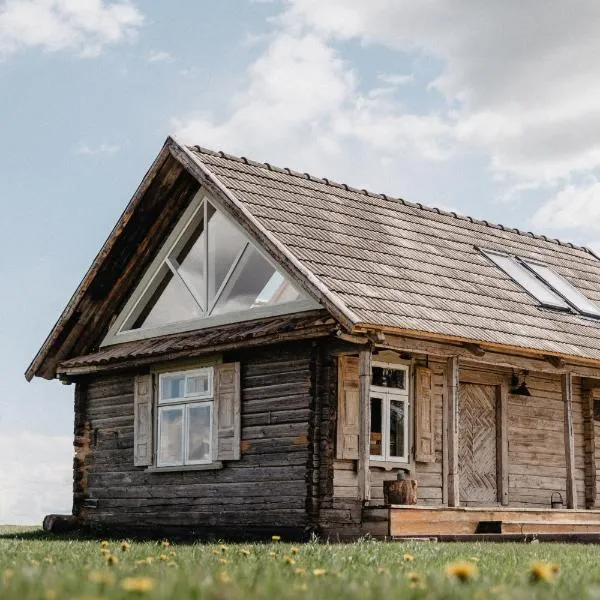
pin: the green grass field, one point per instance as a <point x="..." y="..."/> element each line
<point x="50" y="568"/>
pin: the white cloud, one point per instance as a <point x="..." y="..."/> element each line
<point x="574" y="207"/>
<point x="87" y="150"/>
<point x="302" y="103"/>
<point x="35" y="478"/>
<point x="84" y="26"/>
<point x="396" y="79"/>
<point x="522" y="75"/>
<point x="159" y="56"/>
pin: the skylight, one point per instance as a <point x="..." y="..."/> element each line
<point x="548" y="287"/>
<point x="565" y="289"/>
<point x="527" y="280"/>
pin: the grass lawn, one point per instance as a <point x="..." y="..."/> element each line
<point x="50" y="568"/>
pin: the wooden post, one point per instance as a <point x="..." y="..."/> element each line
<point x="567" y="394"/>
<point x="364" y="479"/>
<point x="589" y="438"/>
<point x="452" y="411"/>
<point x="502" y="444"/>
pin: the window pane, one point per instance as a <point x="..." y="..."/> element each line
<point x="252" y="284"/>
<point x="172" y="387"/>
<point x="170" y="443"/>
<point x="562" y="286"/>
<point x="376" y="446"/>
<point x="397" y="419"/>
<point x="393" y="378"/>
<point x="190" y="261"/>
<point x="197" y="385"/>
<point x="225" y="242"/>
<point x="527" y="280"/>
<point x="199" y="433"/>
<point x="171" y="302"/>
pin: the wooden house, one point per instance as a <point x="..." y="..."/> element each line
<point x="256" y="350"/>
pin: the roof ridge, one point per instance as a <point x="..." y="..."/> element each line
<point x="326" y="181"/>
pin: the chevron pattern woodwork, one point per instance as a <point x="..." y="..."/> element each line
<point x="477" y="444"/>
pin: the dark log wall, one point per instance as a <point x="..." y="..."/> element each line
<point x="271" y="489"/>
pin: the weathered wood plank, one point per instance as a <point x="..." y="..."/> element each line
<point x="452" y="411"/>
<point x="364" y="485"/>
<point x="567" y="391"/>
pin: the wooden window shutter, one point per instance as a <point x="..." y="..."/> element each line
<point x="425" y="416"/>
<point x="227" y="411"/>
<point x="142" y="427"/>
<point x="348" y="408"/>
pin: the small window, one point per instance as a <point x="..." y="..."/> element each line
<point x="565" y="289"/>
<point x="596" y="409"/>
<point x="389" y="413"/>
<point x="527" y="280"/>
<point x="185" y="417"/>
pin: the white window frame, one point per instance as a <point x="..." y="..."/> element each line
<point x="119" y="331"/>
<point x="388" y="395"/>
<point x="185" y="403"/>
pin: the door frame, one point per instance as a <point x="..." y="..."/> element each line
<point x="500" y="384"/>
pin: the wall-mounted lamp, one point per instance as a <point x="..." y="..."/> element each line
<point x="517" y="389"/>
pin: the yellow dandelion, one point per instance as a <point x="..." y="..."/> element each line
<point x="104" y="544"/>
<point x="101" y="577"/>
<point x="104" y="551"/>
<point x="139" y="585"/>
<point x="541" y="571"/>
<point x="463" y="571"/>
<point x="272" y="554"/>
<point x="125" y="546"/>
<point x="48" y="560"/>
<point x="413" y="577"/>
<point x="299" y="571"/>
<point x="8" y="574"/>
<point x="172" y="553"/>
<point x="112" y="560"/>
<point x="163" y="557"/>
<point x="223" y="548"/>
<point x="34" y="562"/>
<point x="245" y="552"/>
<point x="223" y="561"/>
<point x="223" y="577"/>
<point x="288" y="560"/>
<point x="165" y="543"/>
<point x="276" y="538"/>
<point x="408" y="557"/>
<point x="294" y="550"/>
<point x="216" y="552"/>
<point x="319" y="572"/>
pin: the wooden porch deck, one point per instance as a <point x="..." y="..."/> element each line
<point x="415" y="521"/>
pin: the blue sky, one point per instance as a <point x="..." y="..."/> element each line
<point x="491" y="113"/>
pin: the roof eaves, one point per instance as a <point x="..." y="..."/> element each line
<point x="278" y="250"/>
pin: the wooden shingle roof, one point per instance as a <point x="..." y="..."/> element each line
<point x="374" y="262"/>
<point x="402" y="266"/>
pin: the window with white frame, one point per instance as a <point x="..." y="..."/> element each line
<point x="389" y="412"/>
<point x="185" y="418"/>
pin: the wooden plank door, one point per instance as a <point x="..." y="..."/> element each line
<point x="477" y="445"/>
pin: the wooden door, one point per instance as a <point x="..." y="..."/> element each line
<point x="477" y="444"/>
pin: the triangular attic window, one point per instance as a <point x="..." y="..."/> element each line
<point x="208" y="272"/>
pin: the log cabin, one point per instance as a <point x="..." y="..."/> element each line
<point x="256" y="351"/>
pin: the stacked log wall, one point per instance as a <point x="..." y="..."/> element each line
<point x="266" y="490"/>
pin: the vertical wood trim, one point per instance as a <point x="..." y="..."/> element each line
<point x="567" y="394"/>
<point x="424" y="409"/>
<point x="452" y="407"/>
<point x="589" y="437"/>
<point x="445" y="456"/>
<point x="502" y="442"/>
<point x="364" y="479"/>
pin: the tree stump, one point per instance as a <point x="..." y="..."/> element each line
<point x="402" y="491"/>
<point x="60" y="523"/>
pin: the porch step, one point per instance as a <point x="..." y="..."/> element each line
<point x="567" y="526"/>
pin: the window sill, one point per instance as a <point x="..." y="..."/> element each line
<point x="214" y="466"/>
<point x="389" y="465"/>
